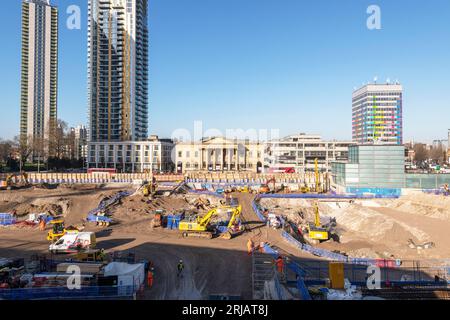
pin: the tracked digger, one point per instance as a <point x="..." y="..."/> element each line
<point x="201" y="227"/>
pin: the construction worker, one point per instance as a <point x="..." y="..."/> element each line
<point x="180" y="268"/>
<point x="250" y="246"/>
<point x="42" y="223"/>
<point x="150" y="275"/>
<point x="280" y="264"/>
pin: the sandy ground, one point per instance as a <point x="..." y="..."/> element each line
<point x="214" y="266"/>
<point x="222" y="267"/>
<point x="379" y="228"/>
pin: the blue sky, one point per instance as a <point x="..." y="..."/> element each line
<point x="284" y="64"/>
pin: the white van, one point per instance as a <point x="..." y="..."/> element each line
<point x="73" y="242"/>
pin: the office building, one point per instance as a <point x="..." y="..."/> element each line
<point x="376" y="169"/>
<point x="297" y="153"/>
<point x="39" y="77"/>
<point x="377" y="114"/>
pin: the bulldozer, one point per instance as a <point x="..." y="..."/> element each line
<point x="201" y="227"/>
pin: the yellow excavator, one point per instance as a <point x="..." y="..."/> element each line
<point x="149" y="189"/>
<point x="201" y="227"/>
<point x="15" y="180"/>
<point x="59" y="230"/>
<point x="316" y="231"/>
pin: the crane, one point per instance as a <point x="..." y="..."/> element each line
<point x="316" y="174"/>
<point x="201" y="227"/>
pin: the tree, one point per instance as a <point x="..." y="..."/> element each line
<point x="6" y="148"/>
<point x="24" y="147"/>
<point x="420" y="152"/>
<point x="437" y="154"/>
<point x="57" y="139"/>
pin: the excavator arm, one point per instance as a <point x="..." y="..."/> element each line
<point x="236" y="213"/>
<point x="207" y="217"/>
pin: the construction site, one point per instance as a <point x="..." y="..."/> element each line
<point x="277" y="237"/>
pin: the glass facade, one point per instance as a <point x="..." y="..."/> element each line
<point x="371" y="166"/>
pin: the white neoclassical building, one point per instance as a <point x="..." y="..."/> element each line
<point x="219" y="154"/>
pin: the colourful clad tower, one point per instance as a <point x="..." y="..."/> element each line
<point x="377" y="114"/>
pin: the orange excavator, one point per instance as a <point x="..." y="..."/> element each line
<point x="265" y="187"/>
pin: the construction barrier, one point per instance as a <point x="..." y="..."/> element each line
<point x="257" y="211"/>
<point x="104" y="204"/>
<point x="315" y="251"/>
<point x="208" y="193"/>
<point x="7" y="219"/>
<point x="295" y="267"/>
<point x="103" y="292"/>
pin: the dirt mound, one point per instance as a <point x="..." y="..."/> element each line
<point x="434" y="206"/>
<point x="54" y="208"/>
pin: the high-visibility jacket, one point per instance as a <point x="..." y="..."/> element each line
<point x="280" y="264"/>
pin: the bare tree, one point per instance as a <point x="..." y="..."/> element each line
<point x="24" y="147"/>
<point x="57" y="139"/>
<point x="6" y="148"/>
<point x="437" y="154"/>
<point x="420" y="152"/>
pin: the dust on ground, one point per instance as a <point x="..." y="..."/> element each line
<point x="379" y="228"/>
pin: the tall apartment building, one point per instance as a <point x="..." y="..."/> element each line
<point x="117" y="70"/>
<point x="39" y="78"/>
<point x="298" y="153"/>
<point x="377" y="114"/>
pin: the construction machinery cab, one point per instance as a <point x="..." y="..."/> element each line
<point x="316" y="231"/>
<point x="158" y="218"/>
<point x="58" y="230"/>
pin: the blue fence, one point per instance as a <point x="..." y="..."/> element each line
<point x="66" y="293"/>
<point x="315" y="251"/>
<point x="104" y="204"/>
<point x="377" y="192"/>
<point x="257" y="211"/>
<point x="295" y="267"/>
<point x="7" y="219"/>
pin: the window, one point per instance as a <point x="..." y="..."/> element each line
<point x="180" y="154"/>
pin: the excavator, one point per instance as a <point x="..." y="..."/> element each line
<point x="316" y="231"/>
<point x="201" y="227"/>
<point x="265" y="187"/>
<point x="16" y="180"/>
<point x="59" y="229"/>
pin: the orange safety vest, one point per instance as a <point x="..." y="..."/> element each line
<point x="150" y="278"/>
<point x="249" y="246"/>
<point x="279" y="263"/>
